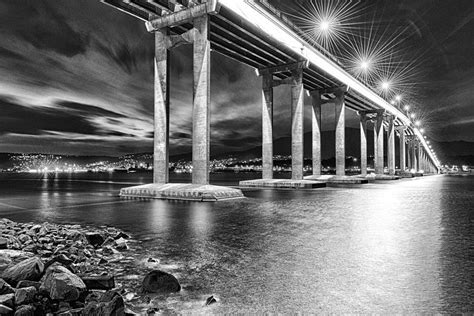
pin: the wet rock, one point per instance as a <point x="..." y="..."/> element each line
<point x="5" y="310"/>
<point x="73" y="312"/>
<point x="121" y="244"/>
<point x="26" y="283"/>
<point x="210" y="300"/>
<point x="29" y="269"/>
<point x="3" y="243"/>
<point x="62" y="284"/>
<point x="95" y="239"/>
<point x="110" y="304"/>
<point x="25" y="295"/>
<point x="122" y="235"/>
<point x="99" y="282"/>
<point x="5" y="288"/>
<point x="26" y="310"/>
<point x="160" y="282"/>
<point x="7" y="299"/>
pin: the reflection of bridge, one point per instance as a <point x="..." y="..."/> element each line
<point x="257" y="35"/>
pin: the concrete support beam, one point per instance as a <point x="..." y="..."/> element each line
<point x="379" y="166"/>
<point x="162" y="109"/>
<point x="201" y="100"/>
<point x="267" y="127"/>
<point x="363" y="144"/>
<point x="391" y="146"/>
<point x="413" y="155"/>
<point x="316" y="132"/>
<point x="297" y="112"/>
<point x="418" y="157"/>
<point x="340" y="133"/>
<point x="300" y="65"/>
<point x="195" y="12"/>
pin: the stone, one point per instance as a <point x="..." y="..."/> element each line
<point x="95" y="239"/>
<point x="111" y="304"/>
<point x="62" y="284"/>
<point x="121" y="244"/>
<point x="25" y="295"/>
<point x="26" y="310"/>
<point x="72" y="312"/>
<point x="5" y="310"/>
<point x="99" y="282"/>
<point x="160" y="282"/>
<point x="211" y="300"/>
<point x="3" y="243"/>
<point x="26" y="283"/>
<point x="122" y="235"/>
<point x="5" y="288"/>
<point x="29" y="269"/>
<point x="7" y="299"/>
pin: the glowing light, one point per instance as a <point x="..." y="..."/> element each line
<point x="422" y="130"/>
<point x="417" y="123"/>
<point x="365" y="65"/>
<point x="412" y="115"/>
<point x="324" y="25"/>
<point x="398" y="97"/>
<point x="392" y="102"/>
<point x="406" y="108"/>
<point x="427" y="141"/>
<point x="385" y="85"/>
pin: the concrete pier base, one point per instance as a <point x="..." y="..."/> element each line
<point x="282" y="184"/>
<point x="386" y="177"/>
<point x="182" y="191"/>
<point x="338" y="180"/>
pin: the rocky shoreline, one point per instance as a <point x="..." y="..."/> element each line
<point x="50" y="269"/>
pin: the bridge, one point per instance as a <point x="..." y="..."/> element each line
<point x="258" y="35"/>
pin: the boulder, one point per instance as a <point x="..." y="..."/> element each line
<point x="62" y="284"/>
<point x="29" y="269"/>
<point x="26" y="310"/>
<point x="111" y="304"/>
<point x="5" y="310"/>
<point x="5" y="288"/>
<point x="3" y="243"/>
<point x="26" y="283"/>
<point x="210" y="300"/>
<point x="95" y="239"/>
<point x="25" y="295"/>
<point x="5" y="261"/>
<point x="160" y="282"/>
<point x="73" y="312"/>
<point x="7" y="299"/>
<point x="99" y="282"/>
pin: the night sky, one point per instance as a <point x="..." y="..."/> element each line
<point x="76" y="77"/>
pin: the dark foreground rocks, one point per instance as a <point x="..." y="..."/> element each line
<point x="64" y="270"/>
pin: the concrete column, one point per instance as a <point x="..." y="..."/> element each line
<point x="340" y="133"/>
<point x="413" y="155"/>
<point x="375" y="144"/>
<point x="418" y="157"/>
<point x="391" y="146"/>
<point x="379" y="133"/>
<point x="363" y="144"/>
<point x="267" y="127"/>
<point x="201" y="100"/>
<point x="297" y="111"/>
<point x="162" y="109"/>
<point x="402" y="149"/>
<point x="316" y="132"/>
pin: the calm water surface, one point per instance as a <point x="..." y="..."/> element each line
<point x="405" y="246"/>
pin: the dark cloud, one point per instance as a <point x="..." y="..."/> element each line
<point x="6" y="53"/>
<point x="40" y="25"/>
<point x="88" y="110"/>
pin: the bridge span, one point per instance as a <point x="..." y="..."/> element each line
<point x="258" y="35"/>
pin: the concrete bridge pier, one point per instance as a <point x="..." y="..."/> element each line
<point x="391" y="145"/>
<point x="199" y="190"/>
<point x="363" y="144"/>
<point x="267" y="126"/>
<point x="402" y="150"/>
<point x="316" y="132"/>
<point x="378" y="143"/>
<point x="297" y="117"/>
<point x="340" y="133"/>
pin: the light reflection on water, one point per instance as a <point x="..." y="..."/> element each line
<point x="402" y="247"/>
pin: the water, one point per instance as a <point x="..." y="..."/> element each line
<point x="403" y="247"/>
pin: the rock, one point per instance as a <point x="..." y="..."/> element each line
<point x="4" y="262"/>
<point x="15" y="254"/>
<point x="5" y="310"/>
<point x="160" y="282"/>
<point x="73" y="312"/>
<point x="62" y="284"/>
<point x="26" y="283"/>
<point x="99" y="282"/>
<point x="26" y="310"/>
<point x="122" y="235"/>
<point x="7" y="299"/>
<point x="111" y="304"/>
<point x="29" y="269"/>
<point x="5" y="288"/>
<point x="24" y="238"/>
<point x="25" y="295"/>
<point x="152" y="311"/>
<point x="121" y="244"/>
<point x="95" y="239"/>
<point x="210" y="300"/>
<point x="3" y="243"/>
